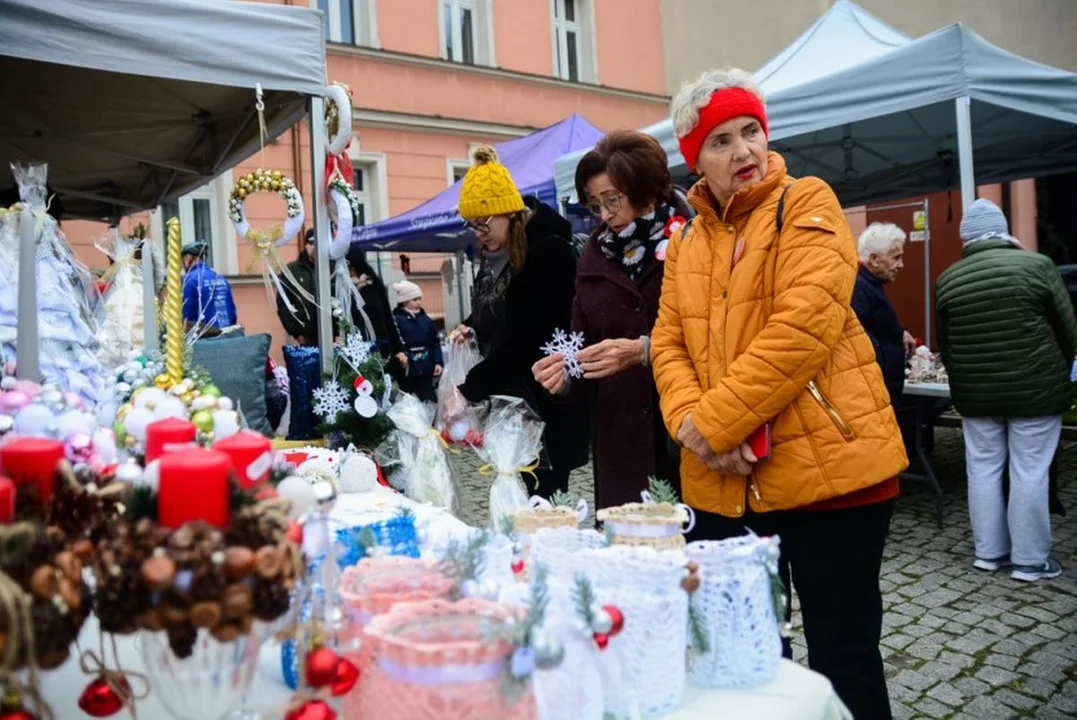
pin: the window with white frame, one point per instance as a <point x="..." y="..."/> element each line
<point x="573" y="40"/>
<point x="203" y="216"/>
<point x="455" y="169"/>
<point x="350" y="22"/>
<point x="361" y="185"/>
<point x="466" y="33"/>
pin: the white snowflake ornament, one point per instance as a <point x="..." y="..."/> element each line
<point x="330" y="400"/>
<point x="567" y="345"/>
<point x="355" y="349"/>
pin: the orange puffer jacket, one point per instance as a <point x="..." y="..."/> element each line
<point x="772" y="339"/>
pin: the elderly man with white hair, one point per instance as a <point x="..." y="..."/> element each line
<point x="769" y="383"/>
<point x="881" y="248"/>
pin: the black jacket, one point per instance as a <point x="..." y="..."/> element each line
<point x="880" y="322"/>
<point x="304" y="322"/>
<point x="421" y="342"/>
<point x="537" y="302"/>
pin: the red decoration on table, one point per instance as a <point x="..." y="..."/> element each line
<point x="251" y="455"/>
<point x="32" y="460"/>
<point x="99" y="699"/>
<point x="310" y="710"/>
<point x="381" y="477"/>
<point x="7" y="500"/>
<point x="602" y="640"/>
<point x="295" y="532"/>
<point x="17" y="714"/>
<point x="296" y="458"/>
<point x="346" y="677"/>
<point x="193" y="485"/>
<point x="517" y="566"/>
<point x="168" y="436"/>
<point x="616" y="617"/>
<point x="321" y="667"/>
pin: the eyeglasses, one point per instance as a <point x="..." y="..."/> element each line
<point x="476" y="225"/>
<point x="612" y="203"/>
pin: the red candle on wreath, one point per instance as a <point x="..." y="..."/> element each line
<point x="193" y="485"/>
<point x="32" y="460"/>
<point x="7" y="500"/>
<point x="168" y="436"/>
<point x="251" y="457"/>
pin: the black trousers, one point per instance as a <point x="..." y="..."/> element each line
<point x="834" y="557"/>
<point x="421" y="386"/>
<point x="550" y="480"/>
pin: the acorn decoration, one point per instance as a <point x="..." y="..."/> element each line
<point x="43" y="577"/>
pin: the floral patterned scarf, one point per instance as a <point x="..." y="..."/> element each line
<point x="642" y="242"/>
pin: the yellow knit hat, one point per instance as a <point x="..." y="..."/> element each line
<point x="488" y="188"/>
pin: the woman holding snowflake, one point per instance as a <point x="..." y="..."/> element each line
<point x="523" y="294"/>
<point x="625" y="182"/>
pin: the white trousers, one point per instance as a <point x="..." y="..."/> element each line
<point x="1020" y="528"/>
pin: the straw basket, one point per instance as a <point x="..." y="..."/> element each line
<point x="655" y="525"/>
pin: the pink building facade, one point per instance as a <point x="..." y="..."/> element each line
<point x="431" y="79"/>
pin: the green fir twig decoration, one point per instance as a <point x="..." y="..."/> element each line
<point x="465" y="561"/>
<point x="778" y="597"/>
<point x="561" y="498"/>
<point x="661" y="491"/>
<point x="368" y="542"/>
<point x="583" y="595"/>
<point x="403" y="512"/>
<point x="697" y="627"/>
<point x="521" y="634"/>
<point x="507" y="527"/>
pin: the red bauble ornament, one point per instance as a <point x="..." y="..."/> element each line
<point x="346" y="677"/>
<point x="321" y="667"/>
<point x="295" y="532"/>
<point x="517" y="566"/>
<point x="312" y="710"/>
<point x="19" y="714"/>
<point x="602" y="640"/>
<point x="616" y="617"/>
<point x="100" y="700"/>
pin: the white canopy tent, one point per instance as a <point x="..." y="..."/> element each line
<point x="906" y="120"/>
<point x="132" y="102"/>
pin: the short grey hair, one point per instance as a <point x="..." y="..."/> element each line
<point x="694" y="95"/>
<point x="878" y="238"/>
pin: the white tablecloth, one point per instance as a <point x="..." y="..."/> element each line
<point x="796" y="694"/>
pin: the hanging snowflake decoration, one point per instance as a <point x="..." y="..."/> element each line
<point x="567" y="345"/>
<point x="330" y="400"/>
<point x="355" y="349"/>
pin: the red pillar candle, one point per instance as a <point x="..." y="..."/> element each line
<point x="7" y="500"/>
<point x="167" y="436"/>
<point x="251" y="455"/>
<point x="32" y="460"/>
<point x="193" y="485"/>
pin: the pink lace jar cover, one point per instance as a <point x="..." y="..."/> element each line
<point x="434" y="660"/>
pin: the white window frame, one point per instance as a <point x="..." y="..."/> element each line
<point x="586" y="42"/>
<point x="451" y="166"/>
<point x="364" y="17"/>
<point x="223" y="247"/>
<point x="376" y="195"/>
<point x="482" y="25"/>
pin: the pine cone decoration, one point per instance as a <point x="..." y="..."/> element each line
<point x="121" y="600"/>
<point x="271" y="600"/>
<point x="28" y="504"/>
<point x="245" y="530"/>
<point x="181" y="638"/>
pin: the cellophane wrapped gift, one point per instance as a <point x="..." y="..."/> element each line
<point x="438" y="660"/>
<point x="121" y="326"/>
<point x="512" y="442"/>
<point x="648" y="524"/>
<point x="425" y="473"/>
<point x="643" y="667"/>
<point x="459" y="421"/>
<point x="736" y="603"/>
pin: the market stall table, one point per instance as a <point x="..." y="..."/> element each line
<point x="924" y="396"/>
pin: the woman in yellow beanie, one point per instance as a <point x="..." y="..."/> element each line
<point x="523" y="293"/>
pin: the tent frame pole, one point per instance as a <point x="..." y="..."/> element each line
<point x="321" y="232"/>
<point x="964" y="151"/>
<point x="927" y="273"/>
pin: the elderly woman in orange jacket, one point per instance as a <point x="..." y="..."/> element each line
<point x="770" y="384"/>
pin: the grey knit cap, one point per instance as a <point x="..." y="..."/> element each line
<point x="983" y="219"/>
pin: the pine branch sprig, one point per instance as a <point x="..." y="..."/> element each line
<point x="697" y="627"/>
<point x="465" y="561"/>
<point x="661" y="491"/>
<point x="562" y="498"/>
<point x="583" y="594"/>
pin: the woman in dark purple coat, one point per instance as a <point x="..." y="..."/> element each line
<point x="625" y="181"/>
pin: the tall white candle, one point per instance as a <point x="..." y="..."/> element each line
<point x="26" y="357"/>
<point x="149" y="300"/>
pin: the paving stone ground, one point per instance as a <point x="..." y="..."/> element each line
<point x="957" y="642"/>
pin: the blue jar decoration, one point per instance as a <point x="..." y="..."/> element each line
<point x="304" y="375"/>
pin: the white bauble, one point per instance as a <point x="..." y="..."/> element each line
<point x="170" y="407"/>
<point x="299" y="491"/>
<point x="203" y="402"/>
<point x="74" y="422"/>
<point x="34" y="419"/>
<point x="135" y="423"/>
<point x="358" y="473"/>
<point x="149" y="397"/>
<point x="104" y="444"/>
<point x="225" y="424"/>
<point x="225" y="403"/>
<point x="151" y="475"/>
<point x="459" y="429"/>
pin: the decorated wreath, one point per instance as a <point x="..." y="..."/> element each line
<point x="262" y="180"/>
<point x="346" y="204"/>
<point x="338" y="118"/>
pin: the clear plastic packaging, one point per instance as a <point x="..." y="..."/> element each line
<point x="512" y="442"/>
<point x="425" y="474"/>
<point x="459" y="421"/>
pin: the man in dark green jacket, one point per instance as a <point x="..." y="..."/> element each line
<point x="1008" y="336"/>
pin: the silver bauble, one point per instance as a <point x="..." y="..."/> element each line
<point x="549" y="650"/>
<point x="138" y="382"/>
<point x="8" y="382"/>
<point x="129" y="472"/>
<point x="6" y="423"/>
<point x="601" y="622"/>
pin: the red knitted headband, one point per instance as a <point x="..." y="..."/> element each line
<point x="725" y="104"/>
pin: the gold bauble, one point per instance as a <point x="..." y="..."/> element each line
<point x="187" y="398"/>
<point x="275" y="185"/>
<point x="242" y="193"/>
<point x="122" y="411"/>
<point x="129" y="441"/>
<point x="249" y="177"/>
<point x="195" y="393"/>
<point x="162" y="381"/>
<point x="178" y="389"/>
<point x="277" y="174"/>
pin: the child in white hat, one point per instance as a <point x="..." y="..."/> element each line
<point x="421" y="342"/>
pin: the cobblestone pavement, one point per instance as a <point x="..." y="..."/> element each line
<point x="958" y="643"/>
